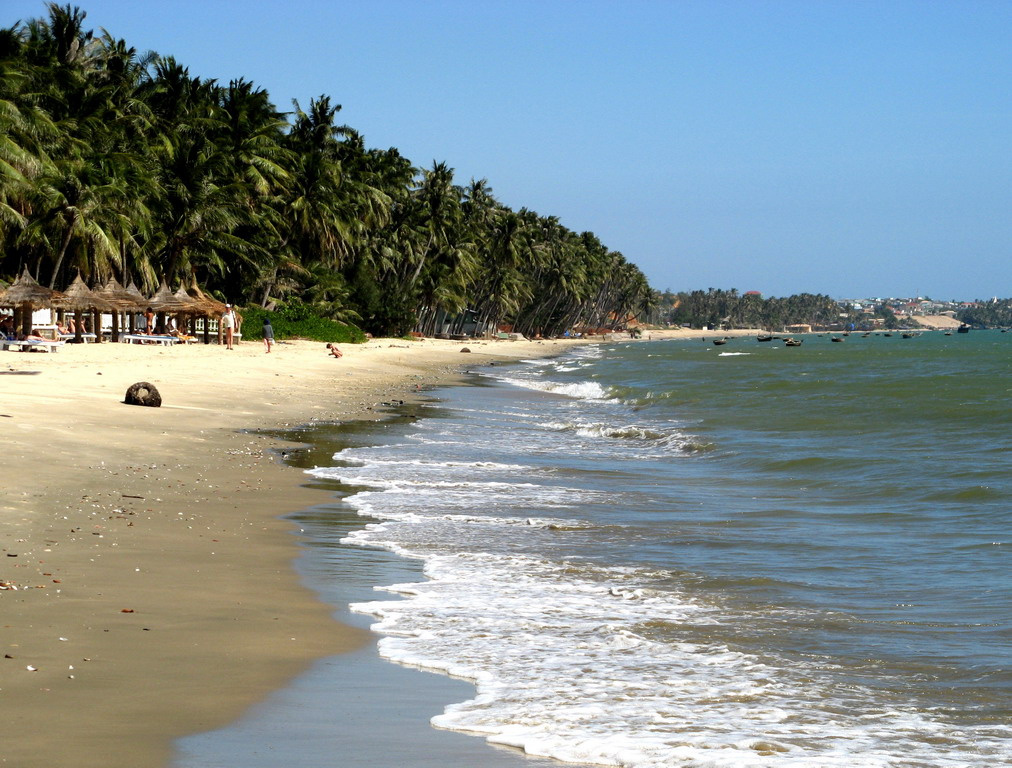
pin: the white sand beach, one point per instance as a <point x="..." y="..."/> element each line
<point x="147" y="588"/>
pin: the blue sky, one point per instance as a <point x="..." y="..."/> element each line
<point x="850" y="148"/>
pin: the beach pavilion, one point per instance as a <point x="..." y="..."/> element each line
<point x="166" y="302"/>
<point x="203" y="307"/>
<point x="26" y="295"/>
<point x="79" y="298"/>
<point x="212" y="307"/>
<point x="122" y="300"/>
<point x="187" y="307"/>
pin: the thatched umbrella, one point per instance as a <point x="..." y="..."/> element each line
<point x="24" y="294"/>
<point x="79" y="297"/>
<point x="165" y="300"/>
<point x="134" y="291"/>
<point x="122" y="300"/>
<point x="213" y="307"/>
<point x="193" y="306"/>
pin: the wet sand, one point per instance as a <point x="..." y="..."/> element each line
<point x="146" y="571"/>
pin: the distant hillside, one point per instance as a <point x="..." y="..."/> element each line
<point x="936" y="321"/>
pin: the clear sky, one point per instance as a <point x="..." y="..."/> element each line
<point x="858" y="148"/>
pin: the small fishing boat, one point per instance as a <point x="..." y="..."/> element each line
<point x="964" y="328"/>
<point x="837" y="338"/>
<point x="792" y="342"/>
<point x="718" y="342"/>
<point x="762" y="337"/>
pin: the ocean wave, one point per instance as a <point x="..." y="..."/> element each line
<point x="364" y="461"/>
<point x="342" y="475"/>
<point x="628" y="432"/>
<point x="564" y="671"/>
<point x="671" y="438"/>
<point x="579" y="390"/>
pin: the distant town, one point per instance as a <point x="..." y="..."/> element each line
<point x="919" y="309"/>
<point x="718" y="308"/>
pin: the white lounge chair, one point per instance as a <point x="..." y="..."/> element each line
<point x="21" y="346"/>
<point x="142" y="338"/>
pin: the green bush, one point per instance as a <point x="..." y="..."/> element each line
<point x="297" y="321"/>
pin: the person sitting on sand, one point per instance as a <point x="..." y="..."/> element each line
<point x="335" y="351"/>
<point x="62" y="329"/>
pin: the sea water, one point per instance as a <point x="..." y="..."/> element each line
<point x="678" y="554"/>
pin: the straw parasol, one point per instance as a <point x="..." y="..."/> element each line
<point x="25" y="290"/>
<point x="214" y="306"/>
<point x="134" y="291"/>
<point x="194" y="306"/>
<point x="122" y="300"/>
<point x="26" y="294"/>
<point x="79" y="298"/>
<point x="165" y="300"/>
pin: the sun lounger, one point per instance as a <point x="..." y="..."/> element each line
<point x="87" y="337"/>
<point x="21" y="346"/>
<point x="141" y="338"/>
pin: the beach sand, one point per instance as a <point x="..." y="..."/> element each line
<point x="146" y="571"/>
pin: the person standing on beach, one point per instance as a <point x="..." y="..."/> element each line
<point x="268" y="334"/>
<point x="228" y="324"/>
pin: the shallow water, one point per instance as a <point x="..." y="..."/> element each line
<point x="671" y="554"/>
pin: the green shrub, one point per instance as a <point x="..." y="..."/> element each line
<point x="297" y="321"/>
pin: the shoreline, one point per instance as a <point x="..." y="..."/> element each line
<point x="149" y="588"/>
<point x="148" y="582"/>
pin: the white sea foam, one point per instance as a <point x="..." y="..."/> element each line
<point x="433" y="465"/>
<point x="669" y="440"/>
<point x="629" y="431"/>
<point x="734" y="354"/>
<point x="584" y="663"/>
<point x="563" y="671"/>
<point x="581" y="390"/>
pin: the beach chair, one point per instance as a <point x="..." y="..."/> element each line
<point x="23" y="345"/>
<point x="141" y="338"/>
<point x="86" y="337"/>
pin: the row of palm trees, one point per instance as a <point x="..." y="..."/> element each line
<point x="125" y="165"/>
<point x="730" y="309"/>
<point x="993" y="313"/>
